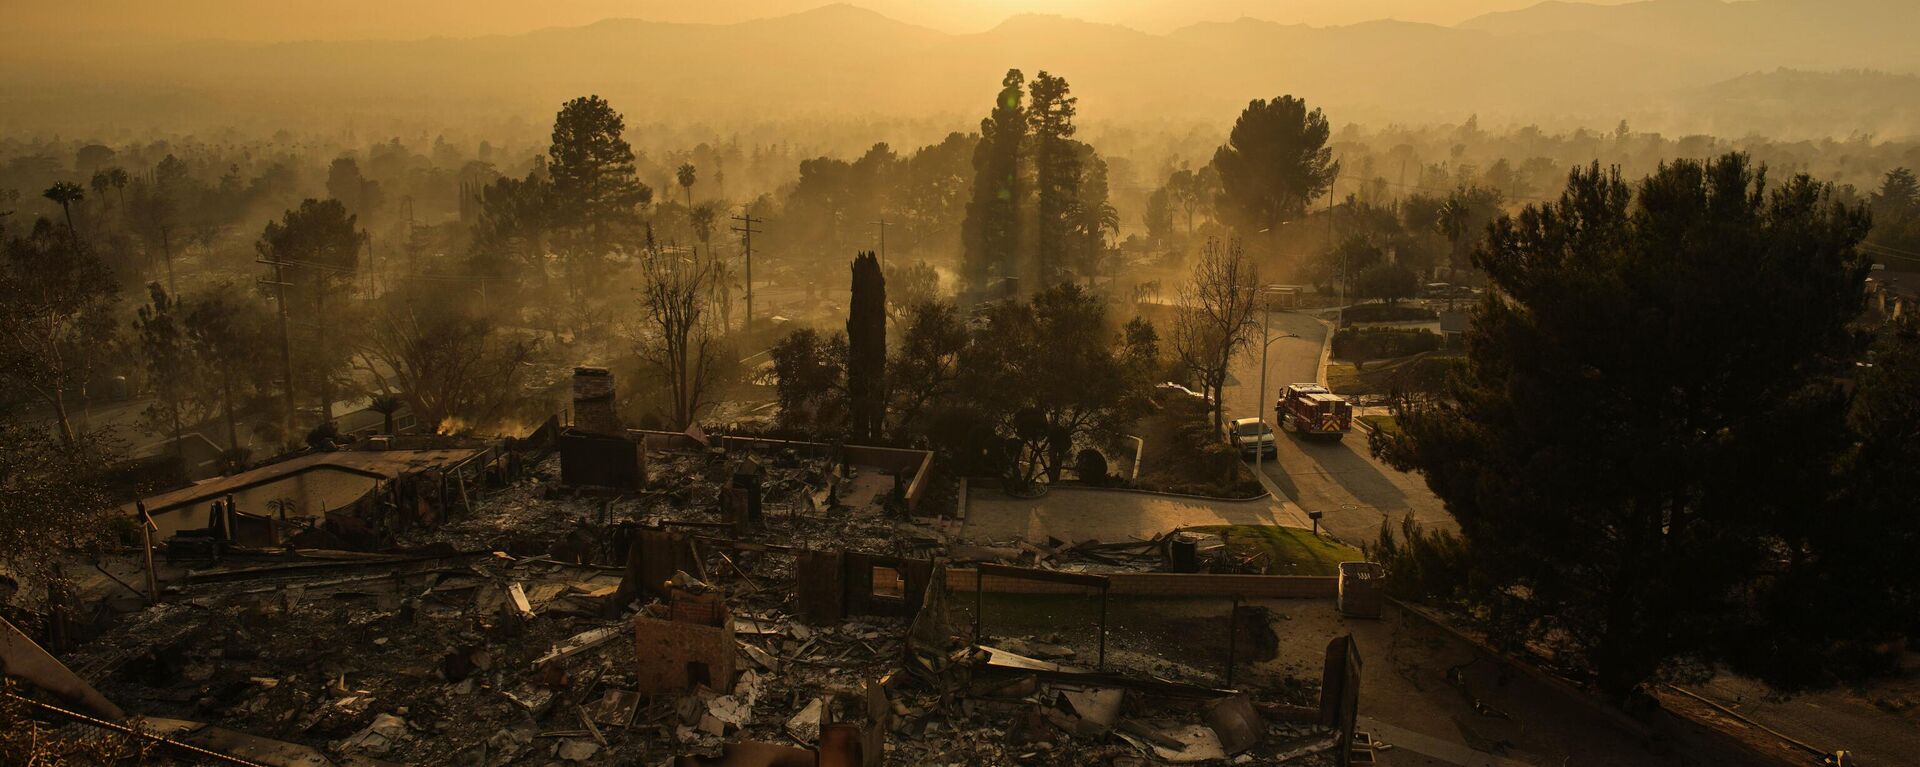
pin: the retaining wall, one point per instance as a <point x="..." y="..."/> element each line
<point x="1162" y="584"/>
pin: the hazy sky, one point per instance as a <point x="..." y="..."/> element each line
<point x="113" y="22"/>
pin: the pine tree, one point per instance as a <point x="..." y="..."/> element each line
<point x="990" y="233"/>
<point x="595" y="189"/>
<point x="1639" y="438"/>
<point x="1275" y="161"/>
<point x="1056" y="169"/>
<point x="867" y="350"/>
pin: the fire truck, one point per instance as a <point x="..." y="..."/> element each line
<point x="1313" y="411"/>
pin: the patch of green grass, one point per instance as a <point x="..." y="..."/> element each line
<point x="1383" y="423"/>
<point x="1343" y="378"/>
<point x="1289" y="550"/>
<point x="1418" y="373"/>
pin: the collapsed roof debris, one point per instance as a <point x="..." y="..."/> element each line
<point x="749" y="602"/>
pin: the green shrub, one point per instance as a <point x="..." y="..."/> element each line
<point x="1383" y="343"/>
<point x="1388" y="313"/>
<point x="1091" y="466"/>
<point x="1423" y="566"/>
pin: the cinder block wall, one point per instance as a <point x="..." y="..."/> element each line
<point x="1163" y="584"/>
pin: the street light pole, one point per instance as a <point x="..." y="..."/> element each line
<point x="1260" y="397"/>
<point x="1346" y="259"/>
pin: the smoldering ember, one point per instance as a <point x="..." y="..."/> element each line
<point x="1487" y="383"/>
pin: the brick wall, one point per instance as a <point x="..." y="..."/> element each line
<point x="593" y="403"/>
<point x="1163" y="584"/>
<point x="666" y="651"/>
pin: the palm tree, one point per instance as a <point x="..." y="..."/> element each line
<point x="386" y="405"/>
<point x="117" y="176"/>
<point x="686" y="177"/>
<point x="702" y="219"/>
<point x="100" y="183"/>
<point x="66" y="193"/>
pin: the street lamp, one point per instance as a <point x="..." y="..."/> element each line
<point x="1346" y="264"/>
<point x="1260" y="397"/>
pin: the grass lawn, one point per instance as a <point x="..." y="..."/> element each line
<point x="1343" y="378"/>
<point x="1419" y="372"/>
<point x="1289" y="550"/>
<point x="1383" y="423"/>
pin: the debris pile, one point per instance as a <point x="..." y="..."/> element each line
<point x="740" y="609"/>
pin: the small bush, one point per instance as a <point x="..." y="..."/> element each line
<point x="1388" y="313"/>
<point x="1091" y="467"/>
<point x="1383" y="343"/>
<point x="1423" y="566"/>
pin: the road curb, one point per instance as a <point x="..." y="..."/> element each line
<point x="1163" y="494"/>
<point x="1326" y="352"/>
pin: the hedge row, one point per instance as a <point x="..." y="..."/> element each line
<point x="1383" y="343"/>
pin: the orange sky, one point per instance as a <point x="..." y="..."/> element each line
<point x="112" y="22"/>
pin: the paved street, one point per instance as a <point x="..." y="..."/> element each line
<point x="1341" y="479"/>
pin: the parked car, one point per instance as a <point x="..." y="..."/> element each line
<point x="1249" y="435"/>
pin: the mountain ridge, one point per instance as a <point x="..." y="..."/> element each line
<point x="843" y="56"/>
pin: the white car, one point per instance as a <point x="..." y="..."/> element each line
<point x="1249" y="435"/>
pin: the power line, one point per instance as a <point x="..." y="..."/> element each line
<point x="746" y="230"/>
<point x="1869" y="246"/>
<point x="286" y="343"/>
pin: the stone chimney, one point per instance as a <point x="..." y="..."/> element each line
<point x="593" y="408"/>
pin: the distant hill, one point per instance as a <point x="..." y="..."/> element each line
<point x="1803" y="104"/>
<point x="1556" y="61"/>
<point x="1744" y="35"/>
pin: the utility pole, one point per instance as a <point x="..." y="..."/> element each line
<point x="1260" y="400"/>
<point x="1346" y="267"/>
<point x="286" y="345"/>
<point x="1261" y="403"/>
<point x="882" y="223"/>
<point x="746" y="230"/>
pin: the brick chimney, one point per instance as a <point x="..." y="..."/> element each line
<point x="593" y="409"/>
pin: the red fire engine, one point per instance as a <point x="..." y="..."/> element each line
<point x="1312" y="410"/>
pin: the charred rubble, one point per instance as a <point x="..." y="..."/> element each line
<point x="626" y="597"/>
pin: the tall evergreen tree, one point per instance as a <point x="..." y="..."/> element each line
<point x="57" y="305"/>
<point x="1649" y="416"/>
<point x="1092" y="217"/>
<point x="226" y="329"/>
<point x="1896" y="211"/>
<point x="1275" y="162"/>
<point x="867" y="350"/>
<point x="318" y="248"/>
<point x="990" y="233"/>
<point x="1056" y="177"/>
<point x="163" y="344"/>
<point x="596" y="191"/>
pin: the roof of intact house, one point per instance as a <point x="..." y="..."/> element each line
<point x="379" y="464"/>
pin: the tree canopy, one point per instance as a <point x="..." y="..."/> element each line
<point x="1276" y="161"/>
<point x="1646" y="427"/>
